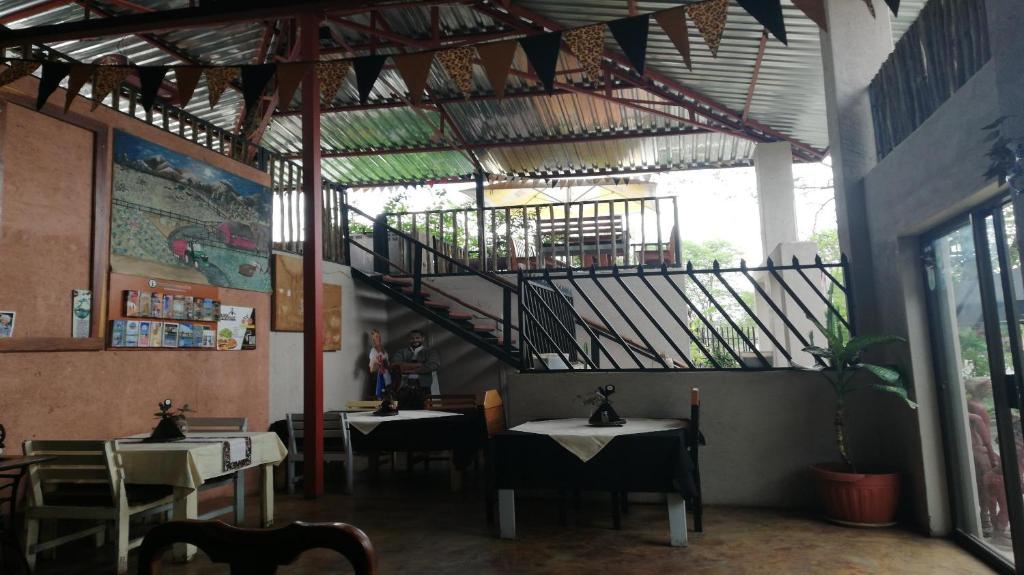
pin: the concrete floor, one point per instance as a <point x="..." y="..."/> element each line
<point x="418" y="526"/>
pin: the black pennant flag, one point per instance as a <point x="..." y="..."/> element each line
<point x="53" y="73"/>
<point x="367" y="70"/>
<point x="894" y="5"/>
<point x="631" y="34"/>
<point x="769" y="14"/>
<point x="150" y="80"/>
<point x="542" y="52"/>
<point x="254" y="81"/>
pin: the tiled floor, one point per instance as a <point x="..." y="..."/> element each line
<point x="417" y="526"/>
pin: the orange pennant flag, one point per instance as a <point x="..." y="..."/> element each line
<point x="414" y="68"/>
<point x="496" y="59"/>
<point x="187" y="77"/>
<point x="331" y="75"/>
<point x="673" y="22"/>
<point x="289" y="76"/>
<point x="710" y="20"/>
<point x="815" y="10"/>
<point x="217" y="80"/>
<point x="587" y="44"/>
<point x="79" y="75"/>
<point x="106" y="80"/>
<point x="458" y="63"/>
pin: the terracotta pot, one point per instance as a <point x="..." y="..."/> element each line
<point x="860" y="499"/>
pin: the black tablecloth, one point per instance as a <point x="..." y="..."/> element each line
<point x="463" y="434"/>
<point x="657" y="461"/>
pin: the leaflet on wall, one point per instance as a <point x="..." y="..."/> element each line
<point x="81" y="312"/>
<point x="236" y="328"/>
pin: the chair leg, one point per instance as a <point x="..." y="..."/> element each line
<point x="290" y="476"/>
<point x="122" y="541"/>
<point x="31" y="539"/>
<point x="239" y="497"/>
<point x="48" y="532"/>
<point x="100" y="538"/>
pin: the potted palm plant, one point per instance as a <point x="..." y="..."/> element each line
<point x="853" y="494"/>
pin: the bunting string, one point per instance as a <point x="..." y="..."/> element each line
<point x="585" y="43"/>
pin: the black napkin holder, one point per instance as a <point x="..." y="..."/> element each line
<point x="165" y="431"/>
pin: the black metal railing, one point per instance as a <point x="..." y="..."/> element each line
<point x="602" y="233"/>
<point x="940" y="51"/>
<point x="663" y="318"/>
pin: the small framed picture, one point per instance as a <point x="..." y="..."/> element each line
<point x="7" y="323"/>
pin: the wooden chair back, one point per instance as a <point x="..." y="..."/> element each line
<point x="451" y="402"/>
<point x="77" y="463"/>
<point x="494" y="412"/>
<point x="334" y="428"/>
<point x="217" y="424"/>
<point x="362" y="405"/>
<point x="258" y="551"/>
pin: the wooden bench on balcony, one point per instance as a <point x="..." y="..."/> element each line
<point x="594" y="239"/>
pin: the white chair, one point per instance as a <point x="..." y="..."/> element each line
<point x="335" y="428"/>
<point x="85" y="482"/>
<point x="228" y="424"/>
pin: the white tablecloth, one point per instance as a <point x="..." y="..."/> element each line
<point x="586" y="441"/>
<point x="188" y="464"/>
<point x="366" y="422"/>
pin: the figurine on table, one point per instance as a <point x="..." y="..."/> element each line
<point x="604" y="415"/>
<point x="379" y="365"/>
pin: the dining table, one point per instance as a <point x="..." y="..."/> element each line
<point x="641" y="455"/>
<point x="188" y="463"/>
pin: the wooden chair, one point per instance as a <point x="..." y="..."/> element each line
<point x="451" y="402"/>
<point x="340" y="449"/>
<point x="227" y="424"/>
<point x="258" y="551"/>
<point x="362" y="405"/>
<point x="494" y="416"/>
<point x="85" y="482"/>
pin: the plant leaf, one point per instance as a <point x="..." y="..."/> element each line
<point x="896" y="390"/>
<point x="995" y="123"/>
<point x="858" y="344"/>
<point x="889" y="375"/>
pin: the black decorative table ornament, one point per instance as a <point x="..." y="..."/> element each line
<point x="604" y="415"/>
<point x="170" y="426"/>
<point x="388" y="406"/>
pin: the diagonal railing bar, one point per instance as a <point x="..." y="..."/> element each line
<point x="696" y="340"/>
<point x="775" y="307"/>
<point x="728" y="318"/>
<point x="710" y="326"/>
<point x="625" y="316"/>
<point x="824" y="270"/>
<point x="607" y="326"/>
<point x="554" y="345"/>
<point x="593" y="336"/>
<point x="820" y="295"/>
<point x="656" y="323"/>
<point x="785" y="286"/>
<point x="572" y="336"/>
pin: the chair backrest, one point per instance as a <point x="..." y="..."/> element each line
<point x="362" y="405"/>
<point x="494" y="412"/>
<point x="217" y="423"/>
<point x="695" y="409"/>
<point x="334" y="428"/>
<point x="258" y="551"/>
<point x="451" y="401"/>
<point x="77" y="463"/>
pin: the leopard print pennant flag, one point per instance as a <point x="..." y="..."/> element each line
<point x="331" y="75"/>
<point x="458" y="63"/>
<point x="106" y="80"/>
<point x="587" y="44"/>
<point x="217" y="80"/>
<point x="17" y="69"/>
<point x="709" y="17"/>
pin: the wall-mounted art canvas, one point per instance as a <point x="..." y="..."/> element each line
<point x="287" y="308"/>
<point x="174" y="217"/>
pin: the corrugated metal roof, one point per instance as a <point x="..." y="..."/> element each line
<point x="788" y="97"/>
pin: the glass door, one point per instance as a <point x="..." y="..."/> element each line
<point x="974" y="281"/>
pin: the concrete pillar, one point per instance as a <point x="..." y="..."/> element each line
<point x="773" y="164"/>
<point x="852" y="52"/>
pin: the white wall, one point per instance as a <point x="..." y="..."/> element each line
<point x="763" y="428"/>
<point x="345" y="371"/>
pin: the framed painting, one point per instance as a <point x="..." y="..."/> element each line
<point x="287" y="302"/>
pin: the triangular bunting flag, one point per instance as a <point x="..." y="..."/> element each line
<point x="709" y="17"/>
<point x="367" y="70"/>
<point x="871" y="7"/>
<point x="289" y="76"/>
<point x="815" y="10"/>
<point x="542" y="52"/>
<point x="79" y="75"/>
<point x="587" y="45"/>
<point x="53" y="73"/>
<point x="187" y="77"/>
<point x="673" y="22"/>
<point x="414" y="69"/>
<point x="331" y="75"/>
<point x="458" y="63"/>
<point x="107" y="80"/>
<point x="496" y="59"/>
<point x="217" y="80"/>
<point x="254" y="81"/>
<point x="769" y="14"/>
<point x="150" y="80"/>
<point x="893" y="5"/>
<point x="16" y="70"/>
<point x="631" y="34"/>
